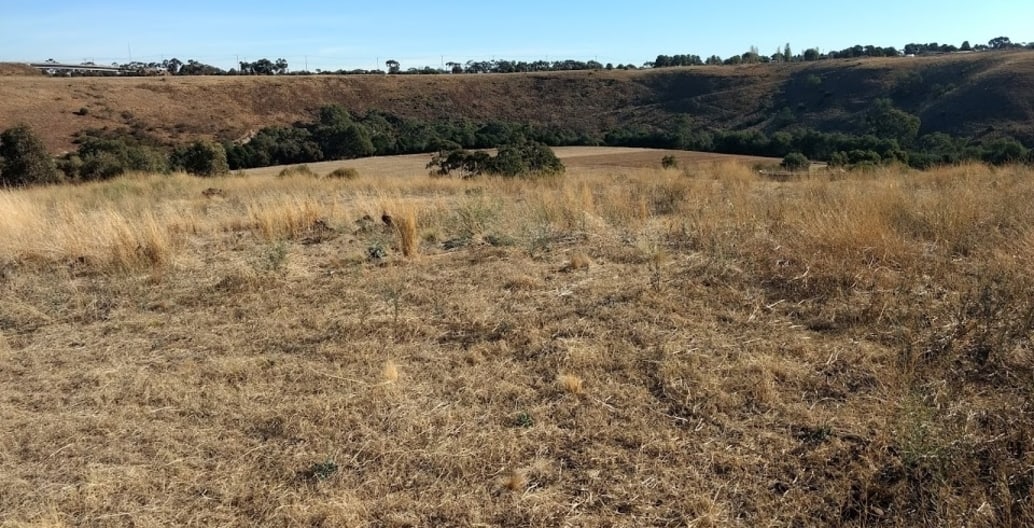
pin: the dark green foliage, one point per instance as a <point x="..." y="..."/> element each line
<point x="24" y="159"/>
<point x="264" y="67"/>
<point x="524" y="158"/>
<point x="338" y="137"/>
<point x="468" y="164"/>
<point x="320" y="471"/>
<point x="795" y="161"/>
<point x="1002" y="151"/>
<point x="106" y="157"/>
<point x="885" y="121"/>
<point x="669" y="162"/>
<point x="524" y="420"/>
<point x="201" y="158"/>
<point x="275" y="146"/>
<point x="838" y="159"/>
<point x="665" y="61"/>
<point x="864" y="157"/>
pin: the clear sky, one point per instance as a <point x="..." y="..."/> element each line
<point x="338" y="34"/>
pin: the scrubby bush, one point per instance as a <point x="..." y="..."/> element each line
<point x="1005" y="150"/>
<point x="103" y="158"/>
<point x="297" y="170"/>
<point x="669" y="162"/>
<point x="524" y="159"/>
<point x="795" y="161"/>
<point x="864" y="157"/>
<point x="201" y="158"/>
<point x="468" y="164"/>
<point x="24" y="159"/>
<point x="344" y="173"/>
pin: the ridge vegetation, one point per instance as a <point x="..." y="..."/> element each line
<point x="920" y="111"/>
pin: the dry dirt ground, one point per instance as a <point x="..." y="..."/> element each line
<point x="619" y="347"/>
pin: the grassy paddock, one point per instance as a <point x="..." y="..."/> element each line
<point x="619" y="346"/>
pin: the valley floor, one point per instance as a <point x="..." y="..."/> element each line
<point x="619" y="347"/>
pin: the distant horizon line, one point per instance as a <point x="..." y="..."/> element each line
<point x="427" y="61"/>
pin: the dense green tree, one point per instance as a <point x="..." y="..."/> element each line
<point x="1005" y="150"/>
<point x="526" y="158"/>
<point x="468" y="164"/>
<point x="523" y="158"/>
<point x="103" y="158"/>
<point x="1000" y="43"/>
<point x="885" y="121"/>
<point x="795" y="161"/>
<point x="201" y="158"/>
<point x="24" y="159"/>
<point x="353" y="142"/>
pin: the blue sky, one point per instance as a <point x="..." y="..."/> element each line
<point x="332" y="35"/>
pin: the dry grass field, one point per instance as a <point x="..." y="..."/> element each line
<point x="617" y="347"/>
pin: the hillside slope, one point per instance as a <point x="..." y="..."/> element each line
<point x="964" y="95"/>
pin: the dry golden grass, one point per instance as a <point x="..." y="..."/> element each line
<point x="849" y="349"/>
<point x="571" y="383"/>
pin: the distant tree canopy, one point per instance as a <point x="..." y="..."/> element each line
<point x="665" y="61"/>
<point x="1000" y="43"/>
<point x="264" y="67"/>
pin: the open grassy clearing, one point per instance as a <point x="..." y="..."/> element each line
<point x="626" y="347"/>
<point x="582" y="159"/>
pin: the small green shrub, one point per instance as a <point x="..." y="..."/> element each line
<point x="524" y="420"/>
<point x="276" y="256"/>
<point x="320" y="471"/>
<point x="795" y="161"/>
<point x="669" y="162"/>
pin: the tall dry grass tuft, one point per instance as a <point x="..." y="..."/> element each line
<point x="284" y="217"/>
<point x="122" y="239"/>
<point x="571" y="384"/>
<point x="406" y="229"/>
<point x="515" y="481"/>
<point x="390" y="372"/>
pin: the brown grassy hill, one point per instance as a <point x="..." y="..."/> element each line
<point x="11" y="68"/>
<point x="964" y="94"/>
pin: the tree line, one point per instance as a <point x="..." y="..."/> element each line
<point x="886" y="134"/>
<point x="784" y="54"/>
